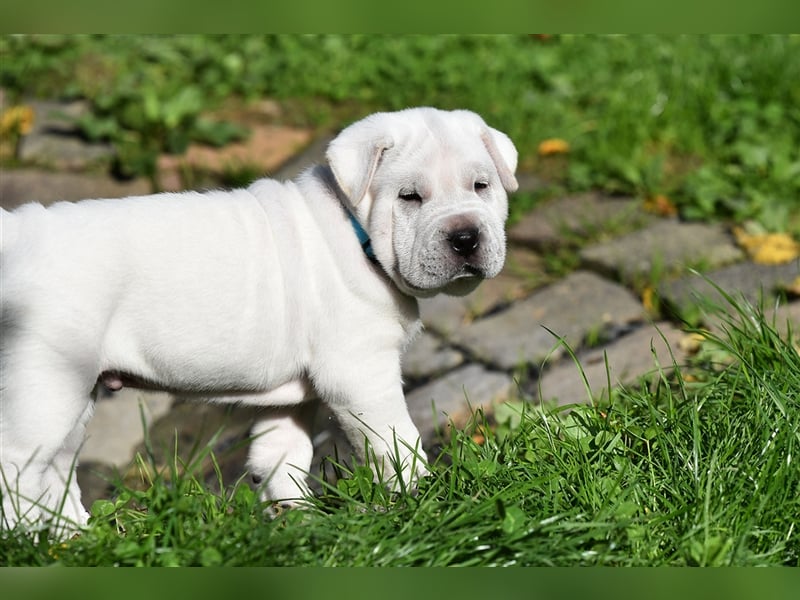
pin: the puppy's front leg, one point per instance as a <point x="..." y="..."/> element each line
<point x="380" y="416"/>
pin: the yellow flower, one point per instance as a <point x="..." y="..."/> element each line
<point x="553" y="146"/>
<point x="17" y="120"/>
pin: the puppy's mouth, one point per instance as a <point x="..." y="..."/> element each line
<point x="468" y="271"/>
<point x="466" y="279"/>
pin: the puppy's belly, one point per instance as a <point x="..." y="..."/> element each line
<point x="289" y="393"/>
<point x="212" y="357"/>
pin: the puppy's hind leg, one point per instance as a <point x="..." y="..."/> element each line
<point x="41" y="427"/>
<point x="281" y="452"/>
<point x="61" y="474"/>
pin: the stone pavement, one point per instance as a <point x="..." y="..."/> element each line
<point x="504" y="341"/>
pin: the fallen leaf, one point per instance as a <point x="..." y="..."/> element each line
<point x="691" y="343"/>
<point x="661" y="205"/>
<point x="650" y="300"/>
<point x="794" y="287"/>
<point x="767" y="248"/>
<point x="553" y="146"/>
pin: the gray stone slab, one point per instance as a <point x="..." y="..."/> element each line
<point x="63" y="151"/>
<point x="454" y="396"/>
<point x="559" y="222"/>
<point x="528" y="182"/>
<point x="581" y="305"/>
<point x="786" y="316"/>
<point x="629" y="357"/>
<point x="313" y="154"/>
<point x="428" y="356"/>
<point x="783" y="318"/>
<point x="55" y="140"/>
<point x="116" y="428"/>
<point x="51" y="116"/>
<point x="29" y="185"/>
<point x="196" y="430"/>
<point x="665" y="247"/>
<point x="748" y="280"/>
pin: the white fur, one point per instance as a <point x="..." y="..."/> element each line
<point x="260" y="295"/>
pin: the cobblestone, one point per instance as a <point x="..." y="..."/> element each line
<point x="581" y="305"/>
<point x="643" y="352"/>
<point x="565" y="221"/>
<point x="664" y="248"/>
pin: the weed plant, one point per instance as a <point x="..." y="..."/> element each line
<point x="697" y="465"/>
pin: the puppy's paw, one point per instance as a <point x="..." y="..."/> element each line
<point x="282" y="490"/>
<point x="405" y="472"/>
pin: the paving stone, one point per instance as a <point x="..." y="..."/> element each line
<point x="55" y="140"/>
<point x="522" y="273"/>
<point x="116" y="427"/>
<point x="51" y="116"/>
<point x="63" y="152"/>
<point x="745" y="279"/>
<point x="553" y="223"/>
<point x="197" y="427"/>
<point x="313" y="154"/>
<point x="580" y="305"/>
<point x="629" y="357"/>
<point x="265" y="150"/>
<point x="528" y="182"/>
<point x="782" y="318"/>
<point x="29" y="185"/>
<point x="454" y="396"/>
<point x="428" y="356"/>
<point x="787" y="315"/>
<point x="96" y="480"/>
<point x="666" y="246"/>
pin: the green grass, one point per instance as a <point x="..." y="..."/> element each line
<point x="713" y="122"/>
<point x="695" y="466"/>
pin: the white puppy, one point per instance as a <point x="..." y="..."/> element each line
<point x="262" y="296"/>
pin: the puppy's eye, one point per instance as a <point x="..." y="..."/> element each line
<point x="410" y="196"/>
<point x="481" y="185"/>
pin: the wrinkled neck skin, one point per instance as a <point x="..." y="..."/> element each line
<point x="321" y="176"/>
<point x="332" y="213"/>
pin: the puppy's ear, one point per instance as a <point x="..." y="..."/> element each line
<point x="500" y="147"/>
<point x="354" y="156"/>
<point x="504" y="156"/>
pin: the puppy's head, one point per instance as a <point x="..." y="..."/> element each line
<point x="429" y="187"/>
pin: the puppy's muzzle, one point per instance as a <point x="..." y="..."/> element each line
<point x="465" y="242"/>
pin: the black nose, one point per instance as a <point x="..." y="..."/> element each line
<point x="464" y="241"/>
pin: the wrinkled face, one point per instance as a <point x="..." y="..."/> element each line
<point x="429" y="187"/>
<point x="448" y="212"/>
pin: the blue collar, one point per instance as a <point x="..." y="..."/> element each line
<point x="363" y="239"/>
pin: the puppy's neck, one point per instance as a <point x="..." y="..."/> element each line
<point x="363" y="238"/>
<point x="324" y="174"/>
